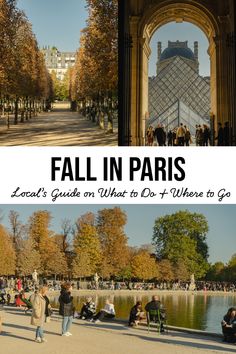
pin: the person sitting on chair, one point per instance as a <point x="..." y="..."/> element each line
<point x="156" y="305"/>
<point x="136" y="314"/>
<point x="88" y="310"/>
<point x="229" y="325"/>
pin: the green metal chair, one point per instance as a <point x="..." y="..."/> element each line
<point x="154" y="316"/>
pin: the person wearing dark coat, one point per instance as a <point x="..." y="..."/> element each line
<point x="170" y="138"/>
<point x="155" y="304"/>
<point x="220" y="137"/>
<point x="66" y="308"/>
<point x="48" y="309"/>
<point x="226" y="134"/>
<point x="229" y="326"/>
<point x="160" y="135"/>
<point x="206" y="135"/>
<point x="135" y="314"/>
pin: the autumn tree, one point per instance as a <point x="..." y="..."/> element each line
<point x="28" y="258"/>
<point x="63" y="239"/>
<point x="181" y="272"/>
<point x="17" y="229"/>
<point x="144" y="266"/>
<point x="24" y="79"/>
<point x="87" y="247"/>
<point x="7" y="252"/>
<point x="52" y="259"/>
<point x="115" y="252"/>
<point x="95" y="74"/>
<point x="166" y="270"/>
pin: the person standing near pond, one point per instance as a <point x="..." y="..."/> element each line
<point x="66" y="309"/>
<point x="38" y="312"/>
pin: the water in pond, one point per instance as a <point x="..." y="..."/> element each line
<point x="197" y="311"/>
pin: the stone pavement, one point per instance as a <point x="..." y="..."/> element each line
<point x="57" y="128"/>
<point x="103" y="338"/>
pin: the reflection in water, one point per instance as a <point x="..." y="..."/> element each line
<point x="190" y="310"/>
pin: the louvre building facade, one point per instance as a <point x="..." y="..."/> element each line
<point x="178" y="94"/>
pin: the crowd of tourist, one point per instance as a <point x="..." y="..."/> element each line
<point x="41" y="311"/>
<point x="20" y="286"/>
<point x="181" y="136"/>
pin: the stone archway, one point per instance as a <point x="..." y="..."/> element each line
<point x="156" y="13"/>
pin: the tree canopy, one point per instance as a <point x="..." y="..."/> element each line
<point x="181" y="237"/>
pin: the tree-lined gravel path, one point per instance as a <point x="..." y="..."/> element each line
<point x="57" y="128"/>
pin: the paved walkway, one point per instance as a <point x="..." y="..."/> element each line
<point x="102" y="338"/>
<point x="57" y="128"/>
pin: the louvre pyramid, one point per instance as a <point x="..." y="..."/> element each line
<point x="178" y="113"/>
<point x="179" y="82"/>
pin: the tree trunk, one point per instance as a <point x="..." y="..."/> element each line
<point x="16" y="110"/>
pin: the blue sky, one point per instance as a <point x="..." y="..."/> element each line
<point x="56" y="22"/>
<point x="183" y="32"/>
<point x="59" y="22"/>
<point x="221" y="219"/>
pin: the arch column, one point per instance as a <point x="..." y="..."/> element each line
<point x="144" y="87"/>
<point x="213" y="74"/>
<point x="140" y="54"/>
<point x="222" y="87"/>
<point x="135" y="82"/>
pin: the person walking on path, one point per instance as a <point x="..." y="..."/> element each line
<point x="206" y="135"/>
<point x="66" y="309"/>
<point x="38" y="312"/>
<point x="180" y="135"/>
<point x="150" y="136"/>
<point x="187" y="137"/>
<point x="160" y="135"/>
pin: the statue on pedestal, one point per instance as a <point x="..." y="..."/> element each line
<point x="35" y="277"/>
<point x="192" y="285"/>
<point x="96" y="279"/>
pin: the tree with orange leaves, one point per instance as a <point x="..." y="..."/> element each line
<point x="95" y="77"/>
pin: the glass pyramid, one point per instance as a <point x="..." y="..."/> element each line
<point x="178" y="84"/>
<point x="178" y="113"/>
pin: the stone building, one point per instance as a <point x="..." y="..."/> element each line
<point x="140" y="20"/>
<point x="58" y="61"/>
<point x="178" y="93"/>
